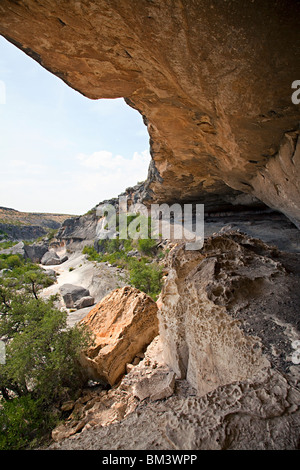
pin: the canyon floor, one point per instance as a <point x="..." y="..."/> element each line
<point x="98" y="278"/>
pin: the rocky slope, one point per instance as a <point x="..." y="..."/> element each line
<point x="212" y="81"/>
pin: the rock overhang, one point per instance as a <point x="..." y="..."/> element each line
<point x="213" y="83"/>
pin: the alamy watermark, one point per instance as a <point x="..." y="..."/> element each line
<point x="296" y="95"/>
<point x="2" y="352"/>
<point x="159" y="221"/>
<point x="2" y="92"/>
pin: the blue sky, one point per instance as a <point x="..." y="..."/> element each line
<point x="59" y="151"/>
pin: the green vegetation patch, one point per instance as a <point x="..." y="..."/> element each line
<point x="144" y="272"/>
<point x="41" y="355"/>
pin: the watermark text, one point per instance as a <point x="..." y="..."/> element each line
<point x="2" y="352"/>
<point x="158" y="221"/>
<point x="296" y="95"/>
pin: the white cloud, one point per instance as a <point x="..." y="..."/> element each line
<point x="106" y="175"/>
<point x="93" y="178"/>
<point x="104" y="160"/>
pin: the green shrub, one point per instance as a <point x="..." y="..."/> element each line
<point x="146" y="277"/>
<point x="23" y="420"/>
<point x="147" y="246"/>
<point x="41" y="356"/>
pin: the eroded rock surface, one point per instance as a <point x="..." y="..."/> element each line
<point x="212" y="81"/>
<point x="229" y="310"/>
<point x="51" y="258"/>
<point x="123" y="324"/>
<point x="261" y="413"/>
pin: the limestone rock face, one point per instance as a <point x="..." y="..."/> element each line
<point x="123" y="324"/>
<point x="220" y="311"/>
<point x="212" y="81"/>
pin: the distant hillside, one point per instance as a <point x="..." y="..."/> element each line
<point x="16" y="225"/>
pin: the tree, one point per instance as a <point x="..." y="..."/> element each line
<point x="41" y="352"/>
<point x="42" y="355"/>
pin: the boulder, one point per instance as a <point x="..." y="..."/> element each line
<point x="157" y="386"/>
<point x="122" y="324"/>
<point x="86" y="301"/>
<point x="36" y="251"/>
<point x="72" y="294"/>
<point x="50" y="258"/>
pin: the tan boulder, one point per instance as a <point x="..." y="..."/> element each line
<point x="123" y="324"/>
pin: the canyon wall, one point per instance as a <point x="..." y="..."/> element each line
<point x="211" y="79"/>
<point x="229" y="311"/>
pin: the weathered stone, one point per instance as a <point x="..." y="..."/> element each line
<point x="72" y="294"/>
<point x="52" y="259"/>
<point x="123" y="324"/>
<point x="86" y="301"/>
<point x="221" y="308"/>
<point x="157" y="386"/>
